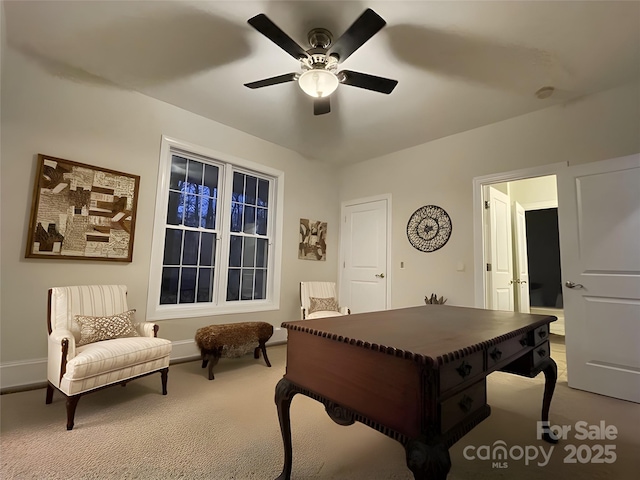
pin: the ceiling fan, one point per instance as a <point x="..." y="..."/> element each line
<point x="319" y="64"/>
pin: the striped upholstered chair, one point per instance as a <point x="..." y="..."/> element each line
<point x="95" y="342"/>
<point x="319" y="299"/>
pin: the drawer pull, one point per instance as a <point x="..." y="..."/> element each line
<point x="464" y="369"/>
<point x="542" y="352"/>
<point x="523" y="341"/>
<point x="465" y="403"/>
<point x="495" y="354"/>
<point x="542" y="333"/>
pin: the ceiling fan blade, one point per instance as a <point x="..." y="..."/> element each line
<point x="270" y="30"/>
<point x="365" y="27"/>
<point x="368" y="82"/>
<point x="287" y="77"/>
<point x="321" y="106"/>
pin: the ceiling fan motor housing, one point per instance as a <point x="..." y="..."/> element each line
<point x="319" y="60"/>
<point x="320" y="38"/>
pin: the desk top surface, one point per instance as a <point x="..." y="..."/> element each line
<point x="426" y="333"/>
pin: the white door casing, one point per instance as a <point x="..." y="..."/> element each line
<point x="599" y="224"/>
<point x="521" y="263"/>
<point x="364" y="279"/>
<point x="500" y="276"/>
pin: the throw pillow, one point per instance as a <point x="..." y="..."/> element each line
<point x="322" y="304"/>
<point x="96" y="329"/>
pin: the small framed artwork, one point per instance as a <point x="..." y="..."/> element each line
<point x="82" y="212"/>
<point x="313" y="240"/>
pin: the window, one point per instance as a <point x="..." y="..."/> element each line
<point x="215" y="247"/>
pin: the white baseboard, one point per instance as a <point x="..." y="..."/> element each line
<point x="14" y="375"/>
<point x="23" y="374"/>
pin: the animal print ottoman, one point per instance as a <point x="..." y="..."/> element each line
<point x="232" y="340"/>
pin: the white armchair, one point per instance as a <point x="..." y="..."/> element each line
<point x="319" y="299"/>
<point x="93" y="343"/>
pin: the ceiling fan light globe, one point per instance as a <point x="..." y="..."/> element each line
<point x="318" y="83"/>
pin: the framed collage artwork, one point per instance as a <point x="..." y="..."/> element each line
<point x="81" y="212"/>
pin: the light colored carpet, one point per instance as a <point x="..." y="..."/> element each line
<point x="228" y="429"/>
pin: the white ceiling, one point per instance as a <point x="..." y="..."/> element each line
<point x="460" y="65"/>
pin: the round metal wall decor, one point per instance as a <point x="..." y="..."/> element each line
<point x="429" y="228"/>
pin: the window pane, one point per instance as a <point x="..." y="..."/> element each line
<point x="207" y="249"/>
<point x="194" y="177"/>
<point x="208" y="211"/>
<point x="233" y="285"/>
<point x="191" y="245"/>
<point x="261" y="285"/>
<point x="192" y="210"/>
<point x="172" y="246"/>
<point x="247" y="284"/>
<point x="236" y="217"/>
<point x="205" y="284"/>
<point x="238" y="187"/>
<point x="249" y="253"/>
<point x="261" y="252"/>
<point x="174" y="210"/>
<point x="235" y="251"/>
<point x="178" y="172"/>
<point x="263" y="193"/>
<point x="169" y="285"/>
<point x="261" y="228"/>
<point x="188" y="285"/>
<point x="211" y="180"/>
<point x="249" y="225"/>
<point x="250" y="190"/>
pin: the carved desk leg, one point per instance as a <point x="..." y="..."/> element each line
<point x="550" y="369"/>
<point x="428" y="460"/>
<point x="285" y="391"/>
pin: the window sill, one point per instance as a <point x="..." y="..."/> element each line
<point x="170" y="312"/>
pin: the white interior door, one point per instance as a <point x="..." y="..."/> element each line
<point x="599" y="223"/>
<point x="364" y="247"/>
<point x="521" y="263"/>
<point x="500" y="274"/>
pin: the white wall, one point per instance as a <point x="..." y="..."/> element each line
<point x="441" y="172"/>
<point x="104" y="126"/>
<point x="535" y="193"/>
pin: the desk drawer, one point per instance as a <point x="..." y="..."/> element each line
<point x="540" y="334"/>
<point x="459" y="371"/>
<point x="460" y="406"/>
<point x="540" y="353"/>
<point x="504" y="350"/>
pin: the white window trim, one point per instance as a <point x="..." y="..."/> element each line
<point x="155" y="311"/>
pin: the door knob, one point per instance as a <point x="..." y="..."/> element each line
<point x="380" y="275"/>
<point x="570" y="284"/>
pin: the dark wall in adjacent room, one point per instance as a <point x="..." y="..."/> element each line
<point x="543" y="252"/>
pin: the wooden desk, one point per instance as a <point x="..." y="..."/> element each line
<point x="415" y="374"/>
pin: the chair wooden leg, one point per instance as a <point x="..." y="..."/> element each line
<point x="72" y="403"/>
<point x="49" y="394"/>
<point x="164" y="373"/>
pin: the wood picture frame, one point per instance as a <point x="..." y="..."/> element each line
<point x="81" y="212"/>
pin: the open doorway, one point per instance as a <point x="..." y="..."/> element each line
<point x="501" y="270"/>
<point x="534" y="280"/>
